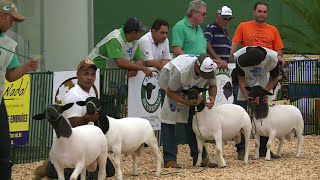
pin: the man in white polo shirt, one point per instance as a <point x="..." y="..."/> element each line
<point x="154" y="45"/>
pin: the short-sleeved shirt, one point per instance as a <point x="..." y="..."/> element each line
<point x="252" y="34"/>
<point x="112" y="49"/>
<point x="190" y="40"/>
<point x="150" y="50"/>
<point x="219" y="40"/>
<point x="14" y="61"/>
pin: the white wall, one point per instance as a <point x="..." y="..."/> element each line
<point x="66" y="33"/>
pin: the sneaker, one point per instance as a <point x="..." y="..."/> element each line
<point x="171" y="164"/>
<point x="263" y="153"/>
<point x="205" y="162"/>
<point x="241" y="155"/>
<point x="41" y="171"/>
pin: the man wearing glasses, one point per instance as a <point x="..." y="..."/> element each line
<point x="217" y="35"/>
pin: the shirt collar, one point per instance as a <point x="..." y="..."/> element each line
<point x="122" y="35"/>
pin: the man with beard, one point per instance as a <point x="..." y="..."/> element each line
<point x="255" y="33"/>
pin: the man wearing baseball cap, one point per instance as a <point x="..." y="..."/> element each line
<point x="77" y="115"/>
<point x="11" y="70"/>
<point x="182" y="73"/>
<point x="255" y="65"/>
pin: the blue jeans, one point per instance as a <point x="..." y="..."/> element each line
<point x="5" y="148"/>
<point x="169" y="144"/>
<point x="241" y="145"/>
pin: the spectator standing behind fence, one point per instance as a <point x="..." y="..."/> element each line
<point x="217" y="35"/>
<point x="187" y="35"/>
<point x="155" y="47"/>
<point x="182" y="73"/>
<point x="255" y="33"/>
<point x="77" y="116"/>
<point x="11" y="70"/>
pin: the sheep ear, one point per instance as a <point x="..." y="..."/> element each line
<point x="39" y="116"/>
<point x="267" y="92"/>
<point x="81" y="103"/>
<point x="248" y="88"/>
<point x="184" y="91"/>
<point x="66" y="107"/>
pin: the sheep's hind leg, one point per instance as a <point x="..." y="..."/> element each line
<point x="300" y="140"/>
<point x="200" y="149"/>
<point x="269" y="145"/>
<point x="279" y="152"/>
<point x="257" y="142"/>
<point x="157" y="154"/>
<point x="79" y="168"/>
<point x="135" y="164"/>
<point x="117" y="158"/>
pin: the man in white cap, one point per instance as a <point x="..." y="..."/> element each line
<point x="182" y="73"/>
<point x="11" y="70"/>
<point x="217" y="35"/>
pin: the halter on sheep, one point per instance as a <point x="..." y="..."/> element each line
<point x="281" y="121"/>
<point x="79" y="148"/>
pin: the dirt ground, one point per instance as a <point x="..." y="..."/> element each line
<point x="287" y="167"/>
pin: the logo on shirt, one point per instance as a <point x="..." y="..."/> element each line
<point x="150" y="95"/>
<point x="256" y="71"/>
<point x="129" y="51"/>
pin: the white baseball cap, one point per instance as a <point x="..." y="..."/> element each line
<point x="206" y="66"/>
<point x="225" y="11"/>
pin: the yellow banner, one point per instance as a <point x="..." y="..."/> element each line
<point x="17" y="100"/>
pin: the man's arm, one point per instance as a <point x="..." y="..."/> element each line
<point x="138" y="65"/>
<point x="233" y="48"/>
<point x="221" y="63"/>
<point x="280" y="55"/>
<point x="212" y="96"/>
<point x="177" y="50"/>
<point x="79" y="121"/>
<point x="178" y="98"/>
<point x="16" y="73"/>
<point x="242" y="85"/>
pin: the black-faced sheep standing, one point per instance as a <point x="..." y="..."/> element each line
<point x="80" y="148"/>
<point x="281" y="121"/>
<point x="126" y="136"/>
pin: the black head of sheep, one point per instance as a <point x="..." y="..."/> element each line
<point x="149" y="87"/>
<point x="261" y="110"/>
<point x="53" y="114"/>
<point x="93" y="105"/>
<point x="227" y="90"/>
<point x="193" y="93"/>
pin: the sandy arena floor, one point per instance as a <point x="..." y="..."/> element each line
<point x="288" y="167"/>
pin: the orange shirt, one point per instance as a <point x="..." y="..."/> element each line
<point x="251" y="34"/>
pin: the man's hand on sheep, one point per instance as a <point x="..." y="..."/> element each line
<point x="211" y="102"/>
<point x="256" y="101"/>
<point x="91" y="117"/>
<point x="194" y="101"/>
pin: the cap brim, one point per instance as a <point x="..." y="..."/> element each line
<point x="17" y="17"/>
<point x="207" y="75"/>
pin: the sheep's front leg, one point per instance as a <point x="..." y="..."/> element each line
<point x="79" y="168"/>
<point x="60" y="172"/>
<point x="300" y="140"/>
<point x="279" y="152"/>
<point x="257" y="142"/>
<point x="102" y="161"/>
<point x="247" y="145"/>
<point x="117" y="158"/>
<point x="200" y="149"/>
<point x="269" y="145"/>
<point x="83" y="174"/>
<point x="135" y="164"/>
<point x="157" y="154"/>
<point x="219" y="151"/>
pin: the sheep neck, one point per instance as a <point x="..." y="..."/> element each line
<point x="62" y="128"/>
<point x="261" y="111"/>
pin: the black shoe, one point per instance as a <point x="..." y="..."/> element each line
<point x="262" y="153"/>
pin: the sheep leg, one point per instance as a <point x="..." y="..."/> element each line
<point x="257" y="142"/>
<point x="117" y="158"/>
<point x="300" y="140"/>
<point x="79" y="168"/>
<point x="135" y="164"/>
<point x="83" y="174"/>
<point x="246" y="133"/>
<point x="102" y="161"/>
<point x="60" y="172"/>
<point x="269" y="145"/>
<point x="279" y="152"/>
<point x="200" y="149"/>
<point x="157" y="154"/>
<point x="219" y="151"/>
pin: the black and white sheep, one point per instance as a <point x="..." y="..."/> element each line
<point x="80" y="148"/>
<point x="221" y="123"/>
<point x="280" y="121"/>
<point x="126" y="136"/>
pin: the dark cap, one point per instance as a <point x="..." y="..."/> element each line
<point x="10" y="8"/>
<point x="134" y="24"/>
<point x="206" y="66"/>
<point x="253" y="56"/>
<point x="86" y="64"/>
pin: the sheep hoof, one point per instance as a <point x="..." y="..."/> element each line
<point x="267" y="159"/>
<point x="224" y="166"/>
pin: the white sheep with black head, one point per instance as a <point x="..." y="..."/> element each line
<point x="221" y="123"/>
<point x="125" y="136"/>
<point x="280" y="121"/>
<point x="81" y="148"/>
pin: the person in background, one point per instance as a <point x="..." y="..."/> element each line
<point x="187" y="35"/>
<point x="255" y="33"/>
<point x="11" y="70"/>
<point x="154" y="46"/>
<point x="77" y="116"/>
<point x="182" y="73"/>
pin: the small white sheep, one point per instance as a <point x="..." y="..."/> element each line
<point x="221" y="123"/>
<point x="126" y="136"/>
<point x="280" y="121"/>
<point x="80" y="148"/>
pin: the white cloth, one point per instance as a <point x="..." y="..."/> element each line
<point x="152" y="51"/>
<point x="5" y="59"/>
<point x="258" y="74"/>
